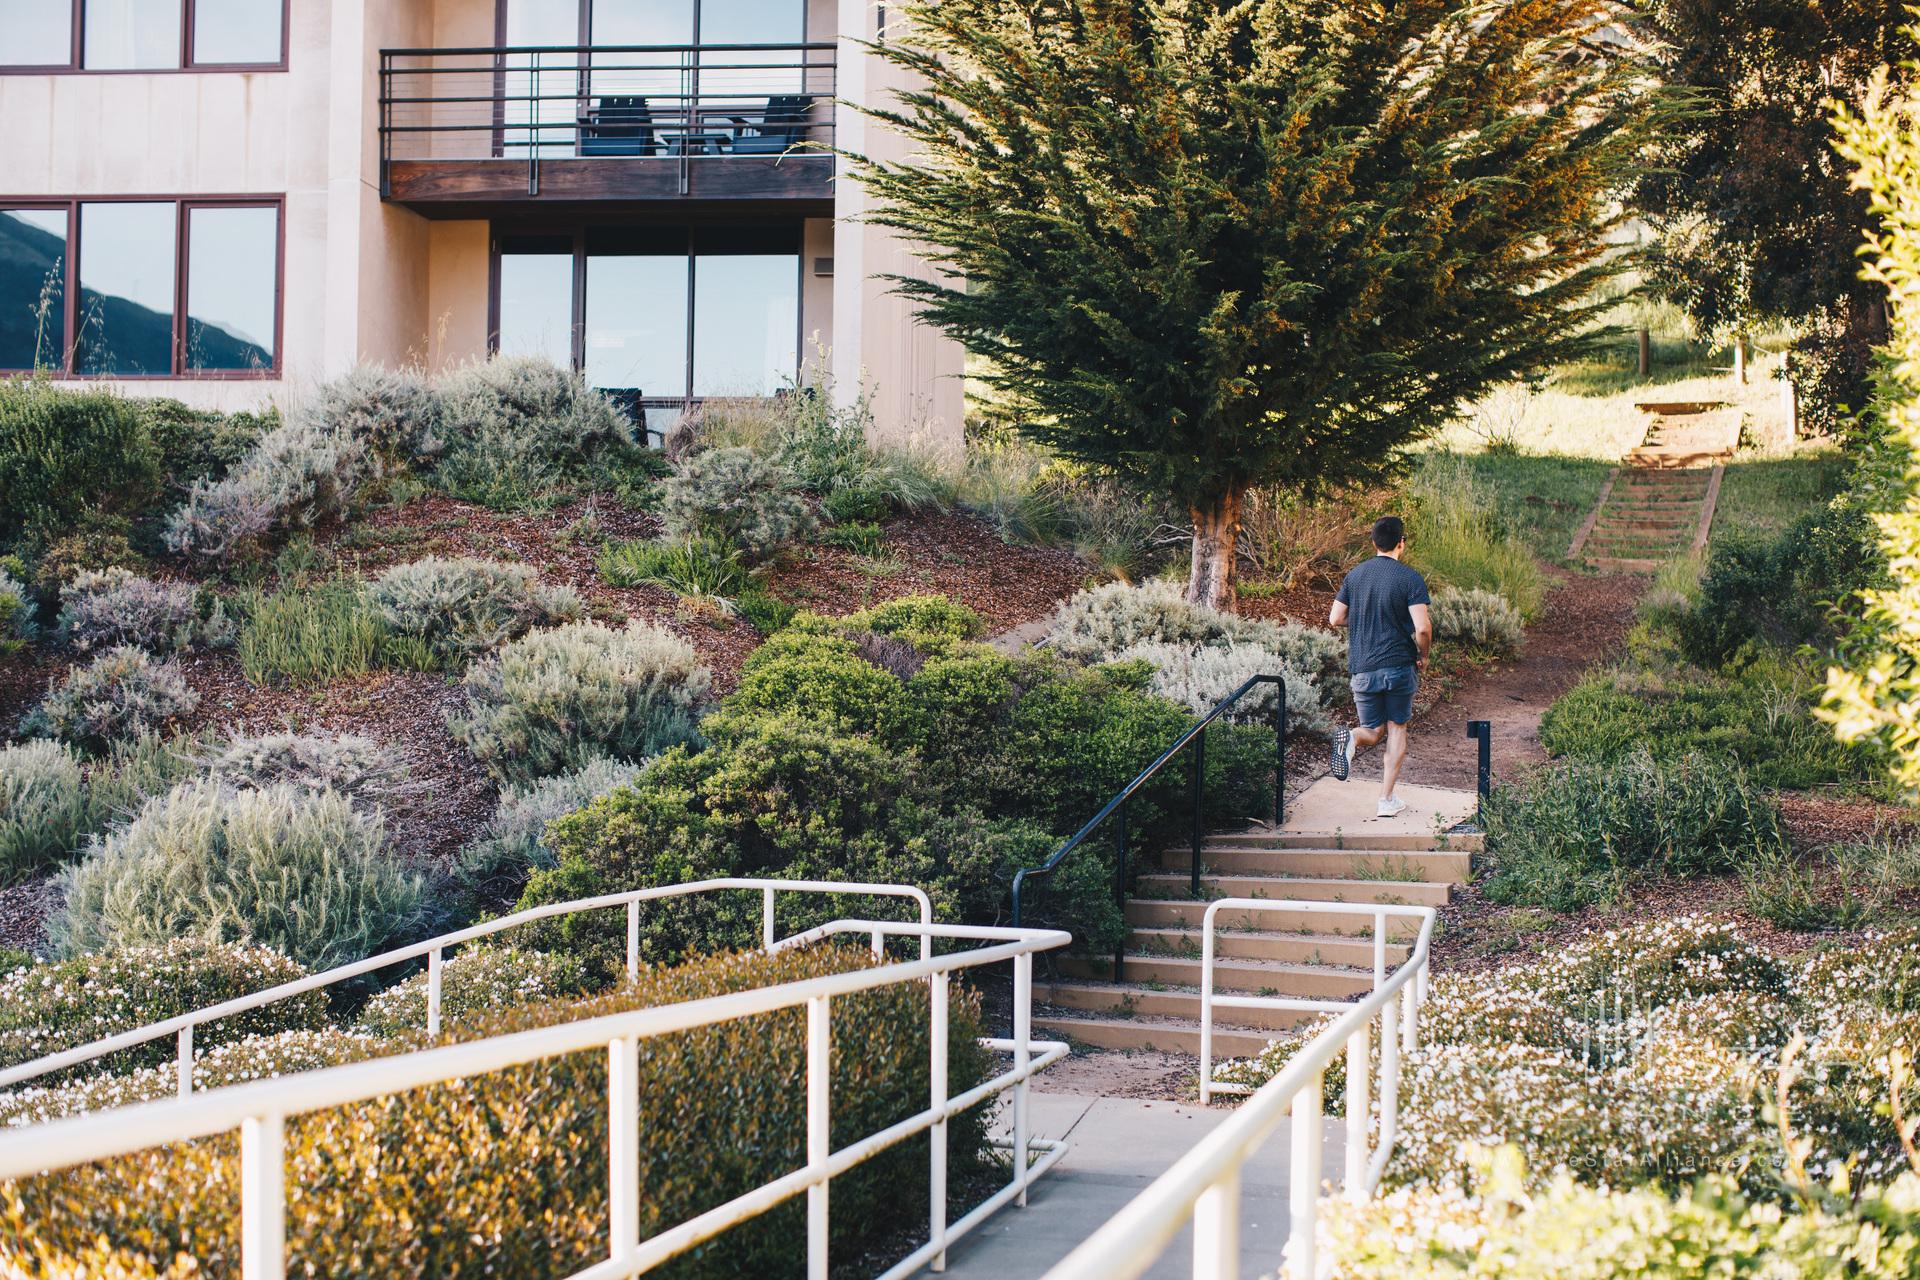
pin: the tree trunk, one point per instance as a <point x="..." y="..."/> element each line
<point x="1216" y="531"/>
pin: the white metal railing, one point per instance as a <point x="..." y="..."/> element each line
<point x="1204" y="1184"/>
<point x="259" y="1111"/>
<point x="181" y="1027"/>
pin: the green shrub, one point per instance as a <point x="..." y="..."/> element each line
<point x="517" y="429"/>
<point x="862" y="537"/>
<point x="68" y="456"/>
<point x="299" y="871"/>
<point x="1578" y="833"/>
<point x="310" y="634"/>
<point x="1882" y="970"/>
<point x="929" y="623"/>
<point x="121" y="693"/>
<point x="44" y="811"/>
<point x="201" y="444"/>
<point x="460" y="609"/>
<point x="699" y="567"/>
<point x="1783" y="590"/>
<point x="61" y="1004"/>
<point x="817" y="675"/>
<point x="1476" y="619"/>
<point x="17" y="627"/>
<point x="763" y="612"/>
<point x="494" y="866"/>
<point x="100" y="546"/>
<point x="1759" y="717"/>
<point x="736" y="497"/>
<point x="1454" y="536"/>
<point x="108" y="607"/>
<point x="555" y="700"/>
<point x="529" y="1143"/>
<point x="480" y="980"/>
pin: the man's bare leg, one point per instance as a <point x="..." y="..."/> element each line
<point x="1395" y="757"/>
<point x="1364" y="738"/>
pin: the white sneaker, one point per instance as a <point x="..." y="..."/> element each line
<point x="1390" y="806"/>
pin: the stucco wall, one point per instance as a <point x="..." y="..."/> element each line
<point x="457" y="293"/>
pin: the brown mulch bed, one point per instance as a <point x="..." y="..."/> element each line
<point x="1813" y="819"/>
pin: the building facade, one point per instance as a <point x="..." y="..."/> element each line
<point x="225" y="201"/>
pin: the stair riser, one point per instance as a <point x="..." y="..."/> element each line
<point x="1354" y="925"/>
<point x="1392" y="893"/>
<point x="1137" y="1036"/>
<point x="1343" y="841"/>
<point x="1237" y="945"/>
<point x="1249" y="980"/>
<point x="1438" y="868"/>
<point x="1167" y="1004"/>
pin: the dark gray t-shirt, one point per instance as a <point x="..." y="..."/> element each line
<point x="1380" y="594"/>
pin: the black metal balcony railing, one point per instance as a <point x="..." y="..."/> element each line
<point x="668" y="111"/>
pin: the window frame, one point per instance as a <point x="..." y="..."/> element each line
<point x="77" y="43"/>
<point x="182" y="241"/>
<point x="690" y="233"/>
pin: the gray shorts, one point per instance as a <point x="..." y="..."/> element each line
<point x="1383" y="696"/>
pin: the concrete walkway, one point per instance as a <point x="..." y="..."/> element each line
<point x="1119" y="1145"/>
<point x="1333" y="808"/>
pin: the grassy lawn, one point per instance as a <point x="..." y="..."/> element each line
<point x="1763" y="494"/>
<point x="1542" y="497"/>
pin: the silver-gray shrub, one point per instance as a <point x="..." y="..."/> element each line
<point x="121" y="694"/>
<point x="105" y="607"/>
<point x="44" y="812"/>
<point x="298" y="476"/>
<point x="356" y="767"/>
<point x="557" y="700"/>
<point x="1198" y="677"/>
<point x="1476" y="619"/>
<point x="461" y="608"/>
<point x="393" y="413"/>
<point x="494" y="866"/>
<point x="303" y="872"/>
<point x="736" y="496"/>
<point x="514" y="427"/>
<point x="17" y="627"/>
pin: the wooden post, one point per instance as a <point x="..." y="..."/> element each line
<point x="1790" y="410"/>
<point x="1740" y="358"/>
<point x="1646" y="352"/>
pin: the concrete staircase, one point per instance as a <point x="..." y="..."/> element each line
<point x="1156" y="1005"/>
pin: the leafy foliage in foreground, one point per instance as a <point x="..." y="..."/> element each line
<point x="505" y="1173"/>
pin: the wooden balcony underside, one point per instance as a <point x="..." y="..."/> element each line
<point x="461" y="184"/>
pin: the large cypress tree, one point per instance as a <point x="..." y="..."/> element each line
<point x="1211" y="244"/>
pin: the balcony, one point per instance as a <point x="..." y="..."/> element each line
<point x="462" y="129"/>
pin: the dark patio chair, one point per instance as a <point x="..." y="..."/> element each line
<point x="619" y="126"/>
<point x="779" y="127"/>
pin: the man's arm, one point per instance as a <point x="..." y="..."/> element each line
<point x="1337" y="617"/>
<point x="1422" y="630"/>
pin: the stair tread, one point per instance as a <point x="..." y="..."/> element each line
<point x="1262" y="935"/>
<point x="1240" y="964"/>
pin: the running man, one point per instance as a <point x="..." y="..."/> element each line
<point x="1383" y="605"/>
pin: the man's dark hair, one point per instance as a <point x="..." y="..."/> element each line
<point x="1389" y="532"/>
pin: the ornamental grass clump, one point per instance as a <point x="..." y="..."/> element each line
<point x="107" y="607"/>
<point x="118" y="696"/>
<point x="45" y="812"/>
<point x="300" y="871"/>
<point x="504" y="1173"/>
<point x="557" y="700"/>
<point x="59" y="1004"/>
<point x="461" y="608"/>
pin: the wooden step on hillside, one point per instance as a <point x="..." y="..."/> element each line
<point x="1275" y="951"/>
<point x="1659" y="503"/>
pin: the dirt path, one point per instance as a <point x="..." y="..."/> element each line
<point x="1584" y="622"/>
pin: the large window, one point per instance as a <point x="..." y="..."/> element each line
<point x="142" y="35"/>
<point x="141" y="288"/>
<point x="656" y="315"/>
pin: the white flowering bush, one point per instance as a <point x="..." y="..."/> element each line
<point x="461" y="608"/>
<point x="1476" y="619"/>
<point x="1198" y="678"/>
<point x="356" y="767"/>
<point x="494" y="867"/>
<point x="118" y="696"/>
<point x="557" y="700"/>
<point x="1644" y="1054"/>
<point x="301" y="871"/>
<point x="44" y="811"/>
<point x="101" y="608"/>
<point x="479" y="980"/>
<point x="257" y="1057"/>
<point x="56" y="1005"/>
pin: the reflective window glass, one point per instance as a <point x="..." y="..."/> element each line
<point x="746" y="325"/>
<point x="636" y="333"/>
<point x="232" y="287"/>
<point x="33" y="287"/>
<point x="125" y="324"/>
<point x="536" y="306"/>
<point x="227" y="32"/>
<point x="131" y="34"/>
<point x="35" y="33"/>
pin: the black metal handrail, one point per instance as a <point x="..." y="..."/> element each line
<point x="1197" y="736"/>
